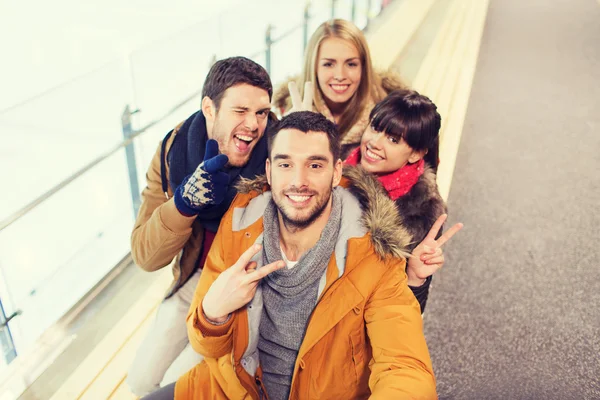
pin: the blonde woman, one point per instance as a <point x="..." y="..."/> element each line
<point x="346" y="88"/>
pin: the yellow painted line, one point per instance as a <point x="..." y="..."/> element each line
<point x="446" y="49"/>
<point x="431" y="62"/>
<point x="113" y="374"/>
<point x="387" y="42"/>
<point x="124" y="330"/>
<point x="122" y="392"/>
<point x="446" y="76"/>
<point x="454" y="126"/>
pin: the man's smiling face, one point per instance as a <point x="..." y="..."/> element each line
<point x="302" y="174"/>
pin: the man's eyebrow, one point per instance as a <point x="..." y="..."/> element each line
<point x="281" y="157"/>
<point x="265" y="108"/>
<point x="318" y="158"/>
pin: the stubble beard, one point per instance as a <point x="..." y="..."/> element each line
<point x="295" y="225"/>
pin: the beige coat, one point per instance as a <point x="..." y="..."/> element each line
<point x="161" y="232"/>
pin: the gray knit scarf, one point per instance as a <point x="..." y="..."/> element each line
<point x="289" y="298"/>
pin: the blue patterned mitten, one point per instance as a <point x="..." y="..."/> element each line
<point x="208" y="184"/>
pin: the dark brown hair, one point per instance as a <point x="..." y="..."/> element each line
<point x="234" y="71"/>
<point x="413" y="117"/>
<point x="306" y="121"/>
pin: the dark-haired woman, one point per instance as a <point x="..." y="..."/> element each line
<point x="400" y="149"/>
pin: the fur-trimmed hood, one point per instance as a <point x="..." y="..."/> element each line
<point x="421" y="206"/>
<point x="380" y="215"/>
<point x="416" y="211"/>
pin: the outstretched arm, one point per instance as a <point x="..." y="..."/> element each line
<point x="402" y="367"/>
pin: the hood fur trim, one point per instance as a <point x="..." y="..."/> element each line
<point x="421" y="206"/>
<point x="257" y="184"/>
<point x="391" y="81"/>
<point x="380" y="215"/>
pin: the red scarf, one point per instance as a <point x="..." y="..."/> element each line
<point x="397" y="183"/>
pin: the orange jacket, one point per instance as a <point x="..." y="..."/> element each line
<point x="364" y="339"/>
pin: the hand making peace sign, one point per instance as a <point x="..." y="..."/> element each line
<point x="235" y="287"/>
<point x="299" y="104"/>
<point x="428" y="257"/>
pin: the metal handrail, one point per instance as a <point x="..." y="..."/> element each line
<point x="46" y="195"/>
<point x="288" y="32"/>
<point x="282" y="36"/>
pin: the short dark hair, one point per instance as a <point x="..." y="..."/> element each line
<point x="413" y="117"/>
<point x="234" y="71"/>
<point x="306" y="121"/>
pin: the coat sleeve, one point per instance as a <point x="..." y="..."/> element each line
<point x="402" y="367"/>
<point x="422" y="292"/>
<point x="160" y="231"/>
<point x="210" y="340"/>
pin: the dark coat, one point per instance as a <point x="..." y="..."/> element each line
<point x="416" y="211"/>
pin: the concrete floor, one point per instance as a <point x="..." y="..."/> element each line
<point x="515" y="312"/>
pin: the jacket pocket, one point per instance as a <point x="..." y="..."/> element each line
<point x="357" y="345"/>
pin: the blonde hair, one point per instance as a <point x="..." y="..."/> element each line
<point x="366" y="92"/>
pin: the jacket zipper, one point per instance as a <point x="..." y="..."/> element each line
<point x="261" y="392"/>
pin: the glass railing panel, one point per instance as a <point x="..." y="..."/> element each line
<point x="51" y="137"/>
<point x="56" y="253"/>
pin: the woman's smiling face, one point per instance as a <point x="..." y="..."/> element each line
<point x="339" y="71"/>
<point x="381" y="153"/>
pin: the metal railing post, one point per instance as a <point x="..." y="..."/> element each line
<point x="7" y="345"/>
<point x="130" y="156"/>
<point x="305" y="25"/>
<point x="333" y="8"/>
<point x="354" y="12"/>
<point x="268" y="42"/>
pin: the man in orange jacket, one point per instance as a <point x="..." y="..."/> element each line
<point x="297" y="299"/>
